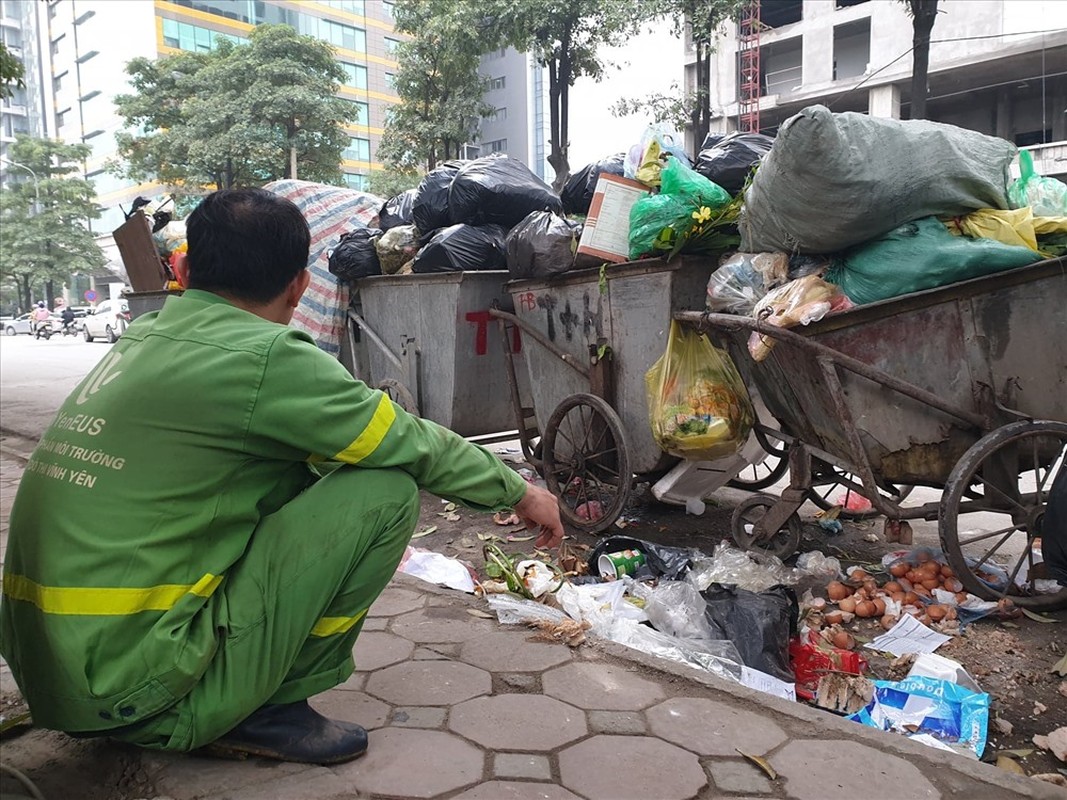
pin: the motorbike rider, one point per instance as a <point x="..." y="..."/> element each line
<point x="67" y="315"/>
<point x="41" y="316"/>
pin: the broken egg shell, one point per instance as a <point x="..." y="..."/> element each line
<point x="892" y="587"/>
<point x="817" y="604"/>
<point x="936" y="611"/>
<point x="837" y="591"/>
<point x="848" y="604"/>
<point x="953" y="585"/>
<point x="888" y="621"/>
<point x="910" y="598"/>
<point x="899" y="570"/>
<point x="879" y="607"/>
<point x="843" y="641"/>
<point x="865" y="609"/>
<point x="834" y="617"/>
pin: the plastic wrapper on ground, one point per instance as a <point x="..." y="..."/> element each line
<point x="758" y="623"/>
<point x="755" y="572"/>
<point x="462" y="247"/>
<point x="356" y="255"/>
<point x="815" y="563"/>
<point x="721" y="659"/>
<point x="699" y="407"/>
<point x="812" y="658"/>
<point x="436" y="568"/>
<point x="513" y="610"/>
<point x="498" y="190"/>
<point x="397" y="211"/>
<point x="675" y="608"/>
<point x="664" y="562"/>
<point x="542" y="245"/>
<point x="953" y="715"/>
<point x="599" y="604"/>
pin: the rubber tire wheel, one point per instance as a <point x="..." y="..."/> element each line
<point x="86" y="335"/>
<point x="10" y="330"/>
<point x="548" y="446"/>
<point x="956" y="489"/>
<point x="826" y="505"/>
<point x="780" y="469"/>
<point x="783" y="544"/>
<point x="399" y="394"/>
<point x="111" y="337"/>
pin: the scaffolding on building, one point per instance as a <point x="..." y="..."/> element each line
<point x="750" y="83"/>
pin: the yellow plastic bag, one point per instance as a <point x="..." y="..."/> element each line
<point x="651" y="167"/>
<point x="1014" y="227"/>
<point x="698" y="405"/>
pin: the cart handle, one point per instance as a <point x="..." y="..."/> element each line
<point x="727" y="322"/>
<point x="542" y="340"/>
<point x="374" y="337"/>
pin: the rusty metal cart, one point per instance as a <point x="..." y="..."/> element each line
<point x="588" y="337"/>
<point x="961" y="388"/>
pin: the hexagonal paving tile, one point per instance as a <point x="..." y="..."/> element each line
<point x="395" y="600"/>
<point x="375" y="650"/>
<point x="505" y="651"/>
<point x="711" y="728"/>
<point x="516" y="790"/>
<point x="443" y="624"/>
<point x="853" y="771"/>
<point x="518" y="722"/>
<point x="356" y="707"/>
<point x="429" y="683"/>
<point x="407" y="762"/>
<point x="630" y="767"/>
<point x="594" y="685"/>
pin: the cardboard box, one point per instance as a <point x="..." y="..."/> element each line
<point x="139" y="254"/>
<point x="606" y="234"/>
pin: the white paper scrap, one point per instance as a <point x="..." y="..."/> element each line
<point x="754" y="679"/>
<point x="909" y="636"/>
<point x="437" y="568"/>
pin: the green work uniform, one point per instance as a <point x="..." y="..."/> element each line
<point x="173" y="563"/>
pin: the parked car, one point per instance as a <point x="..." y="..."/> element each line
<point x="23" y="324"/>
<point x="108" y="320"/>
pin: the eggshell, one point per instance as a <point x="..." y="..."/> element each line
<point x="899" y="597"/>
<point x="953" y="585"/>
<point x="911" y="598"/>
<point x="865" y="609"/>
<point x="848" y="604"/>
<point x="931" y="583"/>
<point x="879" y="607"/>
<point x="936" y="611"/>
<point x="888" y="622"/>
<point x="837" y="591"/>
<point x="859" y="575"/>
<point x="899" y="570"/>
<point x="947" y="571"/>
<point x="843" y="641"/>
<point x="892" y="587"/>
<point x="834" y="617"/>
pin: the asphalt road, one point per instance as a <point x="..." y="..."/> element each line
<point x="37" y="375"/>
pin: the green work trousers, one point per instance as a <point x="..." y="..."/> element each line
<point x="290" y="610"/>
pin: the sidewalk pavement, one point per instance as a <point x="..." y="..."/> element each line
<point x="463" y="708"/>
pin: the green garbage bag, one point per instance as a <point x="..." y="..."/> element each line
<point x="656" y="220"/>
<point x="920" y="255"/>
<point x="1046" y="196"/>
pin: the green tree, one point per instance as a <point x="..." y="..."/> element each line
<point x="240" y="115"/>
<point x="11" y="72"/>
<point x="702" y="21"/>
<point x="438" y="82"/>
<point x="923" y="14"/>
<point x="386" y="183"/>
<point x="564" y="36"/>
<point x="46" y="237"/>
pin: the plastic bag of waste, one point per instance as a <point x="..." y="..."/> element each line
<point x="542" y="245"/>
<point x="748" y="570"/>
<point x="758" y="623"/>
<point x="429" y="207"/>
<point x="462" y="247"/>
<point x="730" y="160"/>
<point x="665" y="562"/>
<point x="396" y="247"/>
<point x="355" y="255"/>
<point x="498" y="190"/>
<point x="1046" y="196"/>
<point x="577" y="194"/>
<point x="398" y="210"/>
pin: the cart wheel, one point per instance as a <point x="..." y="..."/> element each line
<point x="586" y="462"/>
<point x="821" y="493"/>
<point x="769" y="471"/>
<point x="784" y="542"/>
<point x="399" y="394"/>
<point x="996" y="495"/>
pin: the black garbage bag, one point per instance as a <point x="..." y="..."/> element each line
<point x="397" y="211"/>
<point x="497" y="190"/>
<point x="758" y="623"/>
<point x="355" y="255"/>
<point x="577" y="194"/>
<point x="429" y="207"/>
<point x="669" y="563"/>
<point x="1054" y="529"/>
<point x="729" y="161"/>
<point x="462" y="247"/>
<point x="541" y="245"/>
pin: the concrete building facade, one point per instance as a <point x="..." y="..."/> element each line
<point x="25" y="112"/>
<point x="517" y="88"/>
<point x="996" y="66"/>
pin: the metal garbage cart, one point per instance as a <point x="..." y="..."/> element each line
<point x="961" y="388"/>
<point x="426" y="340"/>
<point x="588" y="339"/>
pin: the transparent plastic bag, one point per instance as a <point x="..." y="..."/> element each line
<point x="798" y="302"/>
<point x="699" y="408"/>
<point x="719" y="658"/>
<point x="815" y="563"/>
<point x="736" y="286"/>
<point x="730" y="566"/>
<point x="1046" y="196"/>
<point x="642" y="159"/>
<point x="675" y="608"/>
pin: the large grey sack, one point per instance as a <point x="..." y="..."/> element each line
<point x="836" y="180"/>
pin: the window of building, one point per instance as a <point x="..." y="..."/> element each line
<point x="498" y="115"/>
<point x="390" y="80"/>
<point x="781" y="12"/>
<point x="192" y="38"/>
<point x="351" y="6"/>
<point x="389" y="9"/>
<point x="496" y="83"/>
<point x="61" y="118"/>
<point x="391" y="45"/>
<point x="361" y="112"/>
<point x="358" y="149"/>
<point x="495" y="146"/>
<point x="494" y="54"/>
<point x="57" y="82"/>
<point x="1031" y="138"/>
<point x="355" y="75"/>
<point x="852" y="49"/>
<point x="221" y="8"/>
<point x="354" y="181"/>
<point x="336" y="33"/>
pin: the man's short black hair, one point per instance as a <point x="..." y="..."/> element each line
<point x="246" y="243"/>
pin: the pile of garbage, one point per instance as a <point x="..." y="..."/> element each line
<point x="458" y="218"/>
<point x="847" y="209"/>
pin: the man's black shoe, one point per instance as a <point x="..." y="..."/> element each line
<point x="292" y="732"/>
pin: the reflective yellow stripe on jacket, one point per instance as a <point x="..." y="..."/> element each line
<point x="372" y="436"/>
<point x="103" y="601"/>
<point x="330" y="626"/>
